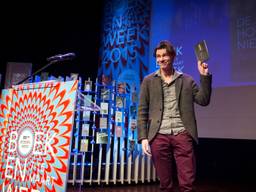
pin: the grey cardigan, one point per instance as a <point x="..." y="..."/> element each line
<point x="150" y="110"/>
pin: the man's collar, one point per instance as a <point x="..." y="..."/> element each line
<point x="175" y="75"/>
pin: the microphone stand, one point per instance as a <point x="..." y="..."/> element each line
<point x="39" y="70"/>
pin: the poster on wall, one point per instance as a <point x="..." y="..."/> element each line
<point x="125" y="38"/>
<point x="16" y="72"/>
<point x="36" y="131"/>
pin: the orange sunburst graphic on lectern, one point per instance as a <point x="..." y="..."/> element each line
<point x="36" y="129"/>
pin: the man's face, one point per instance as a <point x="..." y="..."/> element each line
<point x="164" y="59"/>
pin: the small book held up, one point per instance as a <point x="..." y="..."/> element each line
<point x="201" y="51"/>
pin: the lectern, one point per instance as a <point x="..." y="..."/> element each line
<point x="36" y="123"/>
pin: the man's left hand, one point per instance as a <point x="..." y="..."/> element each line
<point x="203" y="68"/>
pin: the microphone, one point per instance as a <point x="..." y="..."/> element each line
<point x="61" y="57"/>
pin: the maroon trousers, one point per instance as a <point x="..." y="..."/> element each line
<point x="167" y="148"/>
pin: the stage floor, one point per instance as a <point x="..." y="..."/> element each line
<point x="207" y="186"/>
